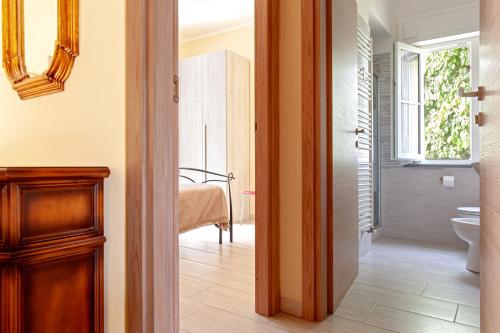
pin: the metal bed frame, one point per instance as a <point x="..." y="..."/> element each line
<point x="224" y="179"/>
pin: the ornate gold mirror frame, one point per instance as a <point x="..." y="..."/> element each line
<point x="66" y="49"/>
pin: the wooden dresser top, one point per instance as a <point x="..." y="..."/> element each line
<point x="27" y="173"/>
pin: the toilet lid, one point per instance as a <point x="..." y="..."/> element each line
<point x="469" y="210"/>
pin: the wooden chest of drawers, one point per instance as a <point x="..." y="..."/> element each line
<point x="51" y="250"/>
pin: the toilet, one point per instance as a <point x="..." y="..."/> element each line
<point x="467" y="227"/>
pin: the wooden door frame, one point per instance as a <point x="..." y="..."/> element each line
<point x="317" y="230"/>
<point x="311" y="203"/>
<point x="267" y="263"/>
<point x="329" y="155"/>
<point x="152" y="287"/>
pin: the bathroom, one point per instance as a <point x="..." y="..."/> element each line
<point x="419" y="260"/>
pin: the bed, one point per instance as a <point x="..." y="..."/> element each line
<point x="204" y="202"/>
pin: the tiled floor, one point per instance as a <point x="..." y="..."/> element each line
<point x="403" y="286"/>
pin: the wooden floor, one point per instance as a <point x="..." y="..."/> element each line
<point x="403" y="286"/>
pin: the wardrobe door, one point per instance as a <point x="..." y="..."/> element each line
<point x="238" y="128"/>
<point x="214" y="112"/>
<point x="191" y="129"/>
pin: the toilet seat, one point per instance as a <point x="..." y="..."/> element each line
<point x="469" y="211"/>
<point x="471" y="223"/>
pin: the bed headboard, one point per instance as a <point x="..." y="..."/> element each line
<point x="221" y="178"/>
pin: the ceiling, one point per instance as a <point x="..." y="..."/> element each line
<point x="198" y="18"/>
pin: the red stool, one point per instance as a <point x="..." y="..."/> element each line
<point x="245" y="195"/>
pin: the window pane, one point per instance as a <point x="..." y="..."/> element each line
<point x="410" y="76"/>
<point x="409" y="140"/>
<point x="447" y="118"/>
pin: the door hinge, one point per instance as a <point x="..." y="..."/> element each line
<point x="479" y="119"/>
<point x="176" y="89"/>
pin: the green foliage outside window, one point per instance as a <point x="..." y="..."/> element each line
<point x="446" y="116"/>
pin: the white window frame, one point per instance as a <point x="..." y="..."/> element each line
<point x="473" y="42"/>
<point x="399" y="46"/>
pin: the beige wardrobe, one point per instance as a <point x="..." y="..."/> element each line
<point x="214" y="120"/>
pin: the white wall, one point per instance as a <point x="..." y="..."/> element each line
<point x="378" y="12"/>
<point x="408" y="8"/>
<point x="441" y="22"/>
<point x="412" y="21"/>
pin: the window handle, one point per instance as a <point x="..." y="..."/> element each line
<point x="480" y="93"/>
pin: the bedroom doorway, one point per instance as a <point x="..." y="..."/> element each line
<point x="217" y="163"/>
<point x="152" y="160"/>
